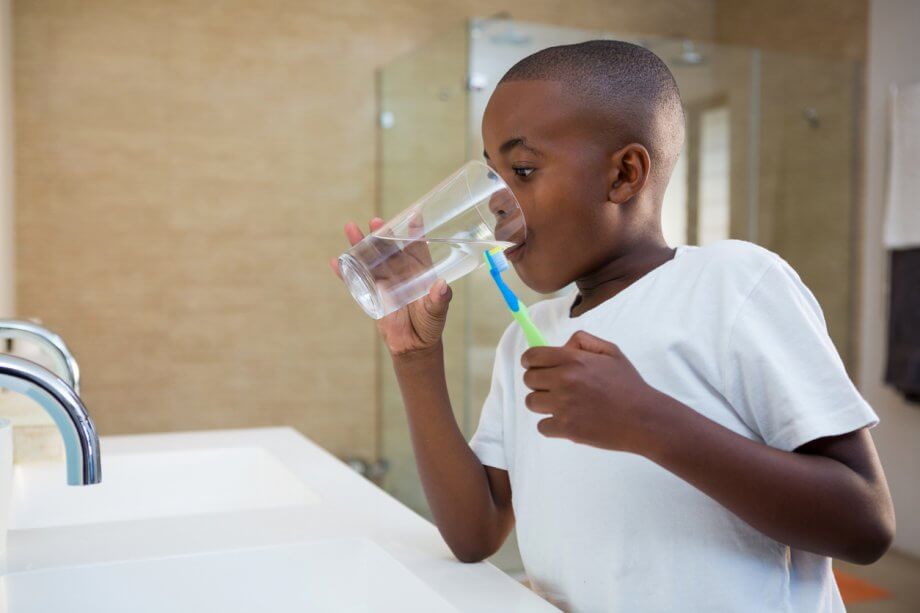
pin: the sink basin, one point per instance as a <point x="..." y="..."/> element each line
<point x="150" y="485"/>
<point x="335" y="575"/>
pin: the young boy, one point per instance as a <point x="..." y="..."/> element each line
<point x="690" y="440"/>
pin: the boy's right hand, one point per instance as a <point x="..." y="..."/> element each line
<point x="417" y="327"/>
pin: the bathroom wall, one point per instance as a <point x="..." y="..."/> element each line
<point x="893" y="27"/>
<point x="430" y="127"/>
<point x="183" y="169"/>
<point x="7" y="283"/>
<point x="830" y="28"/>
<point x="808" y="180"/>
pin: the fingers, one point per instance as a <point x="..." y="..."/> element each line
<point x="410" y="258"/>
<point x="438" y="299"/>
<point x="550" y="427"/>
<point x="539" y="379"/>
<point x="588" y="342"/>
<point x="540" y="402"/>
<point x="420" y="253"/>
<point x="334" y="265"/>
<point x="545" y="357"/>
<point x="353" y="233"/>
<point x="395" y="262"/>
<point x="418" y="249"/>
<point x="416" y="225"/>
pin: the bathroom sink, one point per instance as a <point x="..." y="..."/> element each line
<point x="335" y="575"/>
<point x="151" y="485"/>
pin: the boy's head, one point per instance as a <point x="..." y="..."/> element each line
<point x="586" y="135"/>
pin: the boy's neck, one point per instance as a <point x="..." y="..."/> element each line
<point x="619" y="273"/>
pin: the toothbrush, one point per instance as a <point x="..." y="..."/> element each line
<point x="498" y="263"/>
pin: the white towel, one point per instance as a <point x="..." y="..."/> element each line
<point x="902" y="215"/>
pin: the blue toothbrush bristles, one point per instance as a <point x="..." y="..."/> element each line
<point x="498" y="259"/>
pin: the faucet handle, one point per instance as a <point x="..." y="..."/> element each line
<point x="64" y="364"/>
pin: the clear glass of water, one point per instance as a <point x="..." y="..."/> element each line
<point x="443" y="235"/>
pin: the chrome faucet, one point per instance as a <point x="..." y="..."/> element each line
<point x="65" y="366"/>
<point x="59" y="399"/>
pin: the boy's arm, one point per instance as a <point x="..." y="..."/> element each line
<point x="471" y="503"/>
<point x="829" y="496"/>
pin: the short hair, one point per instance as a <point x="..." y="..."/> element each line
<point x="629" y="83"/>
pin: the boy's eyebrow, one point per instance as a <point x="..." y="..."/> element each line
<point x="512" y="143"/>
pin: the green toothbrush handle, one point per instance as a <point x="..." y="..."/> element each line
<point x="531" y="332"/>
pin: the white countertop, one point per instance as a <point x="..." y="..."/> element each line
<point x="336" y="503"/>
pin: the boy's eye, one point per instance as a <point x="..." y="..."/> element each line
<point x="522" y="171"/>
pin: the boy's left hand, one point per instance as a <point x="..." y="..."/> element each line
<point x="591" y="392"/>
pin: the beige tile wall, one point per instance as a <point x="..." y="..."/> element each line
<point x="7" y="285"/>
<point x="806" y="179"/>
<point x="425" y="93"/>
<point x="808" y="176"/>
<point x="834" y="28"/>
<point x="182" y="171"/>
<point x="809" y="181"/>
<point x="183" y="168"/>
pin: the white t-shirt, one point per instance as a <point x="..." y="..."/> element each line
<point x="731" y="331"/>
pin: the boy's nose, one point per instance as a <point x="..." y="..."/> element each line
<point x="509" y="219"/>
<point x="500" y="203"/>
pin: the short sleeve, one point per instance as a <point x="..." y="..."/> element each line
<point x="488" y="442"/>
<point x="781" y="371"/>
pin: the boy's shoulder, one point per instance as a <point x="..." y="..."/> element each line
<point x="735" y="255"/>
<point x="732" y="262"/>
<point x="737" y="268"/>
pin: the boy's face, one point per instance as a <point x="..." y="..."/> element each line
<point x="546" y="146"/>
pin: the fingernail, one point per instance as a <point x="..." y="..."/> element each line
<point x="443" y="290"/>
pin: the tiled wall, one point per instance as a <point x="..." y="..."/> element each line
<point x="808" y="192"/>
<point x="831" y="28"/>
<point x="183" y="169"/>
<point x="7" y="298"/>
<point x="809" y="171"/>
<point x="425" y="143"/>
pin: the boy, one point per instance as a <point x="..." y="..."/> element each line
<point x="690" y="441"/>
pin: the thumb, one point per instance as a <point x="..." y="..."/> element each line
<point x="588" y="342"/>
<point x="438" y="298"/>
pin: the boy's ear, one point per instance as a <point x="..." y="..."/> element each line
<point x="629" y="170"/>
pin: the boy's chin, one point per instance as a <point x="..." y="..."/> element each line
<point x="536" y="282"/>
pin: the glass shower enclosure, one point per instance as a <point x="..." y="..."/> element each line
<point x="770" y="157"/>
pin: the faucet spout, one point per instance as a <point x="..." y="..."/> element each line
<point x="81" y="443"/>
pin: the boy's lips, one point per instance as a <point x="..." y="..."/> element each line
<point x="515" y="253"/>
